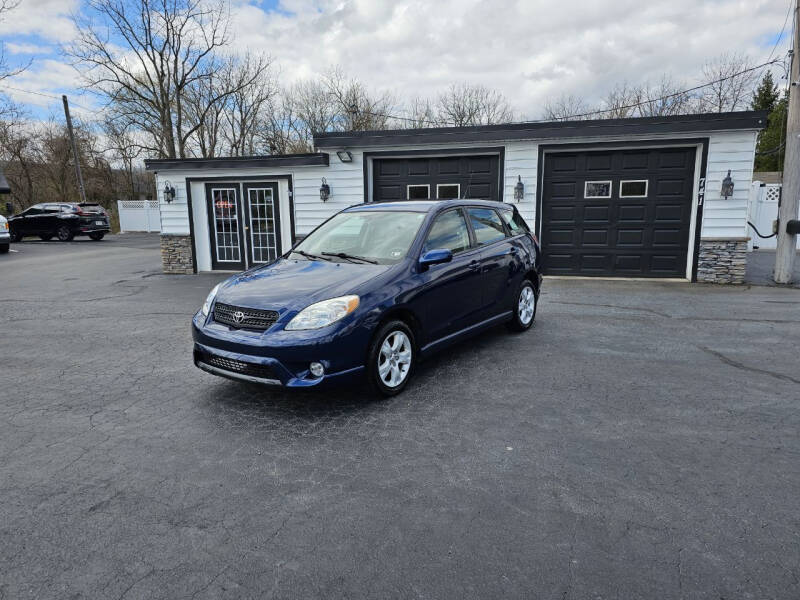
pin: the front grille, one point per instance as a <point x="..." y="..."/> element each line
<point x="237" y="366"/>
<point x="249" y="318"/>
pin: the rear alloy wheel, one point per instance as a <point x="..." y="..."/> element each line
<point x="97" y="236"/>
<point x="64" y="233"/>
<point x="46" y="237"/>
<point x="524" y="308"/>
<point x="391" y="358"/>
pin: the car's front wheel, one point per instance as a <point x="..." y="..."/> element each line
<point x="524" y="308"/>
<point x="15" y="236"/>
<point x="64" y="233"/>
<point x="390" y="361"/>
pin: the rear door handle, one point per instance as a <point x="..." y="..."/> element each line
<point x="474" y="265"/>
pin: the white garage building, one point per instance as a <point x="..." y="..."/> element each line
<point x="613" y="198"/>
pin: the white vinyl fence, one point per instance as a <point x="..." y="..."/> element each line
<point x="139" y="215"/>
<point x="764" y="198"/>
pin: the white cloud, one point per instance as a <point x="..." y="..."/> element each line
<point x="44" y="83"/>
<point x="15" y="48"/>
<point x="49" y="19"/>
<point x="529" y="49"/>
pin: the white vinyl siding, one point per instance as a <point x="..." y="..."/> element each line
<point x="734" y="150"/>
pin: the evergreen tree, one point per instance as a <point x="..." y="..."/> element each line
<point x="769" y="151"/>
<point x="766" y="95"/>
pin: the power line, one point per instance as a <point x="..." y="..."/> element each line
<point x="16" y="89"/>
<point x="780" y="35"/>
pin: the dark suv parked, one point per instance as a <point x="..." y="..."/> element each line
<point x="62" y="220"/>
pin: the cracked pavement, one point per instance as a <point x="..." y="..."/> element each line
<point x="641" y="441"/>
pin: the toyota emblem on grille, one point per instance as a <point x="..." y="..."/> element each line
<point x="238" y="316"/>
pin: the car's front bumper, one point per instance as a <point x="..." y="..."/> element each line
<point x="279" y="359"/>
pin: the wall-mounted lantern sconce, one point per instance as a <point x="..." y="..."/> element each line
<point x="727" y="186"/>
<point x="345" y="155"/>
<point x="519" y="190"/>
<point x="169" y="192"/>
<point x="324" y="191"/>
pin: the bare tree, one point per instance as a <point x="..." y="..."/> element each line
<point x="729" y="87"/>
<point x="647" y="100"/>
<point x="465" y="104"/>
<point x="121" y="143"/>
<point x="667" y="97"/>
<point x="160" y="48"/>
<point x="620" y="102"/>
<point x="17" y="144"/>
<point x="354" y="106"/>
<point x="253" y="92"/>
<point x="566" y="108"/>
<point x="421" y="113"/>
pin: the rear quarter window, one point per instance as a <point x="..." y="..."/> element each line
<point x="515" y="223"/>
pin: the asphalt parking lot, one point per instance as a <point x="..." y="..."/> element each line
<point x="641" y="441"/>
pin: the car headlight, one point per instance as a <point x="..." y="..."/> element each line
<point x="209" y="299"/>
<point x="323" y="313"/>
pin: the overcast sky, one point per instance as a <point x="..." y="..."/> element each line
<point x="531" y="50"/>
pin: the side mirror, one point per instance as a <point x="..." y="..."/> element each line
<point x="435" y="257"/>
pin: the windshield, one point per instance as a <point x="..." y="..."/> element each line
<point x="379" y="236"/>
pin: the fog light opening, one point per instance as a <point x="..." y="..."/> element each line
<point x="317" y="370"/>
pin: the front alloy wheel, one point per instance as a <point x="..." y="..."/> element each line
<point x="391" y="358"/>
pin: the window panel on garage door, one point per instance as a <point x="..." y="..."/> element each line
<point x="444" y="177"/>
<point x="617" y="213"/>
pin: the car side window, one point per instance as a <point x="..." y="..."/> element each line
<point x="513" y="221"/>
<point x="487" y="225"/>
<point x="449" y="231"/>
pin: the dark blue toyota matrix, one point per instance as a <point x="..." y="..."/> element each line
<point x="371" y="291"/>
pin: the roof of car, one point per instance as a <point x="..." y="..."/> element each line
<point x="420" y="205"/>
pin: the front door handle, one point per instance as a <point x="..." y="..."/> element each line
<point x="474" y="265"/>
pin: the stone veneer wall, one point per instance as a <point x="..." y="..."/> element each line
<point x="176" y="253"/>
<point x="722" y="260"/>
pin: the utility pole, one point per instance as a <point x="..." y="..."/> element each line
<point x="790" y="193"/>
<point x="74" y="150"/>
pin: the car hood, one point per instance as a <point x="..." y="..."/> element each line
<point x="287" y="285"/>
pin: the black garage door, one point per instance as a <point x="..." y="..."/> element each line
<point x="435" y="177"/>
<point x="617" y="213"/>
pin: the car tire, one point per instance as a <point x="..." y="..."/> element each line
<point x="46" y="237"/>
<point x="64" y="233"/>
<point x="391" y="358"/>
<point x="3" y="248"/>
<point x="15" y="237"/>
<point x="96" y="236"/>
<point x="524" y="307"/>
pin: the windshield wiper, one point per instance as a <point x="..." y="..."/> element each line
<point x="311" y="256"/>
<point x="350" y="257"/>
